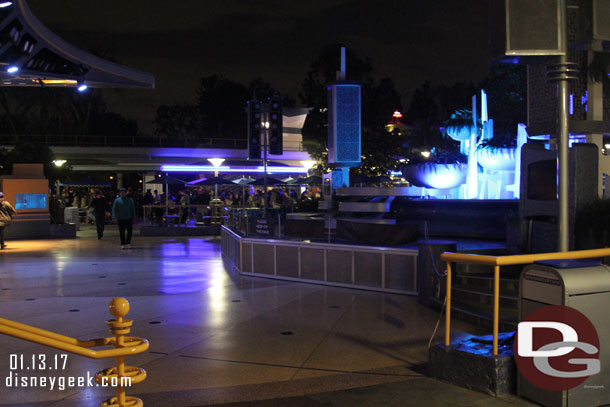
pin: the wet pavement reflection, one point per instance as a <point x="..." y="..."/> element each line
<point x="216" y="337"/>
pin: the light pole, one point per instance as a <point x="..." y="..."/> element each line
<point x="265" y="135"/>
<point x="216" y="162"/>
<point x="59" y="164"/>
<point x="563" y="71"/>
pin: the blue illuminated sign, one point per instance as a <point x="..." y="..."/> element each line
<point x="30" y="201"/>
<point x="344" y="128"/>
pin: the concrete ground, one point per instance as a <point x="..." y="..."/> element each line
<point x="216" y="338"/>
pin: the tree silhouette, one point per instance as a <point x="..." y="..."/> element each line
<point x="178" y="122"/>
<point x="379" y="100"/>
<point x="222" y="105"/>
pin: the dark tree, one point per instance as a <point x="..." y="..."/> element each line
<point x="33" y="153"/>
<point x="180" y="122"/>
<point x="116" y="128"/>
<point x="262" y="90"/>
<point x="324" y="69"/>
<point x="455" y="97"/>
<point x="506" y="87"/>
<point x="379" y="100"/>
<point x="423" y="107"/>
<point x="222" y="104"/>
<point x="50" y="110"/>
<point x="428" y="110"/>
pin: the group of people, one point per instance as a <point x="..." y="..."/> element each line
<point x="100" y="207"/>
<point x="123" y="210"/>
<point x="198" y="199"/>
<point x="123" y="206"/>
<point x="251" y="197"/>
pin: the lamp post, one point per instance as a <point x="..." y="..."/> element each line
<point x="216" y="204"/>
<point x="265" y="135"/>
<point x="563" y="71"/>
<point x="216" y="162"/>
<point x="59" y="164"/>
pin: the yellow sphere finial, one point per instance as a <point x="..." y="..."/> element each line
<point x="119" y="307"/>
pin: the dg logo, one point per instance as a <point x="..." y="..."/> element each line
<point x="557" y="348"/>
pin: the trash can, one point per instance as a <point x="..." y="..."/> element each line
<point x="216" y="211"/>
<point x="71" y="216"/>
<point x="583" y="285"/>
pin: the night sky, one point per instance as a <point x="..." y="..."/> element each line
<point x="179" y="41"/>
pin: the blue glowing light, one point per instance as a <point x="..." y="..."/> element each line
<point x="442" y="181"/>
<point x="571" y="104"/>
<point x="12" y="69"/>
<point x="210" y="168"/>
<point x="6" y="4"/>
<point x="82" y="87"/>
<point x="437" y="176"/>
<point x="497" y="159"/>
<point x="576" y="138"/>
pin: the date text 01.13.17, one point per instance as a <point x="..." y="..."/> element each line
<point x="19" y="362"/>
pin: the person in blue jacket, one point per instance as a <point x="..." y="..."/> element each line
<point x="124" y="211"/>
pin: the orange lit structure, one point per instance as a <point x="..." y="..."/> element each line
<point x="27" y="190"/>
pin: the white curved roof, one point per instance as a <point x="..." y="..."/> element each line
<point x="38" y="57"/>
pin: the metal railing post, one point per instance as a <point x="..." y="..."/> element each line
<point x="123" y="346"/>
<point x="496" y="308"/>
<point x="497" y="262"/>
<point x="448" y="307"/>
<point x="119" y="308"/>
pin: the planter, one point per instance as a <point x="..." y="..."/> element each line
<point x="497" y="159"/>
<point x="436" y="176"/>
<point x="460" y="133"/>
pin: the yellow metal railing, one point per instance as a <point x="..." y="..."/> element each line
<point x="123" y="346"/>
<point x="497" y="262"/>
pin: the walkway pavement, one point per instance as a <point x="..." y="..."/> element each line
<point x="217" y="338"/>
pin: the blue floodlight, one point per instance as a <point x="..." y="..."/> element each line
<point x="6" y="4"/>
<point x="12" y="69"/>
<point x="82" y="87"/>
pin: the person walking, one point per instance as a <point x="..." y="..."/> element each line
<point x="54" y="208"/>
<point x="7" y="212"/>
<point x="185" y="201"/>
<point x="124" y="211"/>
<point x="158" y="212"/>
<point x="100" y="209"/>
